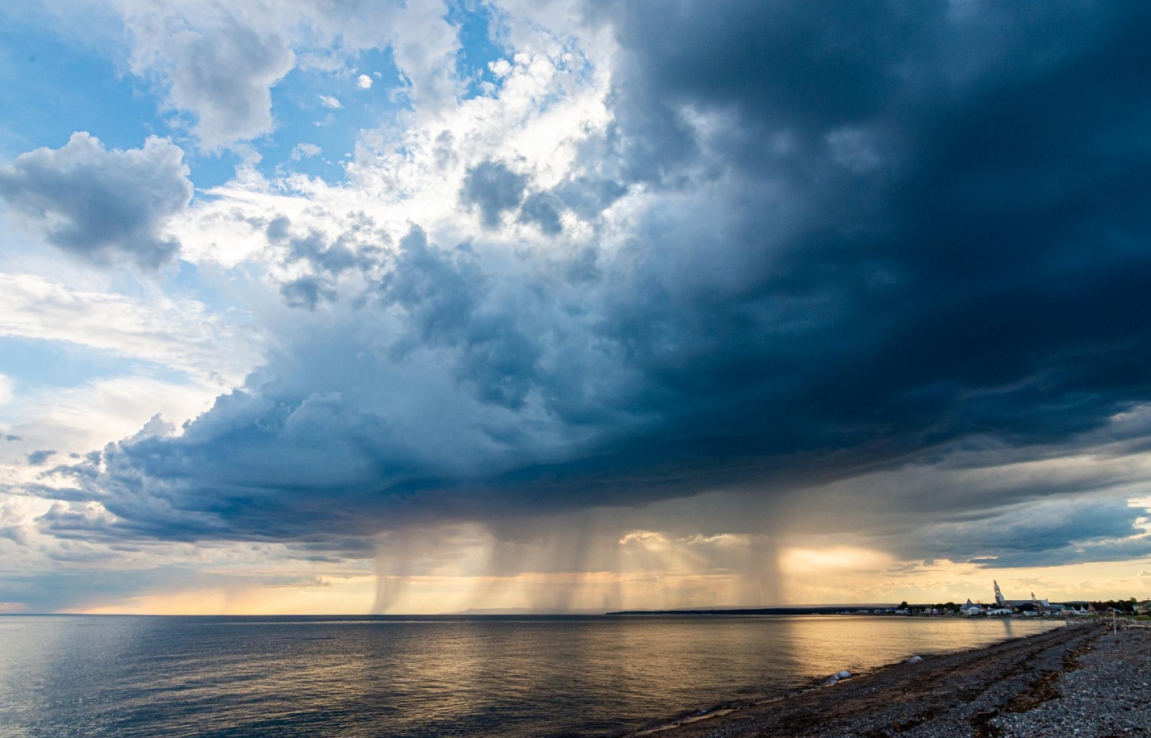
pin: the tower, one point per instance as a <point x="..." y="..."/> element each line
<point x="998" y="595"/>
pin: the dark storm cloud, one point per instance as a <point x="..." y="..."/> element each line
<point x="307" y="292"/>
<point x="901" y="227"/>
<point x="931" y="218"/>
<point x="442" y="297"/>
<point x="102" y="205"/>
<point x="494" y="189"/>
<point x="543" y="209"/>
<point x="1046" y="533"/>
<point x="334" y="258"/>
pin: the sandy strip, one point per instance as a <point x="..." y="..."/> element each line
<point x="1078" y="680"/>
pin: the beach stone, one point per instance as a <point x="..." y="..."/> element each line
<point x="1106" y="695"/>
<point x="1077" y="680"/>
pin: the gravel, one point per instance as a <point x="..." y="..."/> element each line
<point x="1080" y="680"/>
<point x="1109" y="695"/>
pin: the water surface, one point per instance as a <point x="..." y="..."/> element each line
<point x="440" y="676"/>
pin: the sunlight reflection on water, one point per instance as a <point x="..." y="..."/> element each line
<point x="513" y="676"/>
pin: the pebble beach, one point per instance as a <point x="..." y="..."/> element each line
<point x="1086" y="679"/>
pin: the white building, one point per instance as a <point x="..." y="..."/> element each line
<point x="971" y="609"/>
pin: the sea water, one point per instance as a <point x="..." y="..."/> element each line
<point x="430" y="676"/>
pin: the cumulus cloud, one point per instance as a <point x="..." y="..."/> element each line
<point x="220" y="63"/>
<point x="103" y="206"/>
<point x="216" y="66"/>
<point x="364" y="82"/>
<point x="330" y="102"/>
<point x="305" y="151"/>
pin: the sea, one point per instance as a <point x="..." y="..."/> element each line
<point x="76" y="676"/>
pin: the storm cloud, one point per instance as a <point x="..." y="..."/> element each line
<point x="494" y="189"/>
<point x="860" y="236"/>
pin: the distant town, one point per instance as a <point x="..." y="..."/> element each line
<point x="999" y="607"/>
<point x="1028" y="608"/>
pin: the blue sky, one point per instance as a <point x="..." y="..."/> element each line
<point x="52" y="88"/>
<point x="534" y="303"/>
<point x="55" y="85"/>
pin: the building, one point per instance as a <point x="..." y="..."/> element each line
<point x="1032" y="605"/>
<point x="972" y="610"/>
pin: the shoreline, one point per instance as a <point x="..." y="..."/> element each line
<point x="1022" y="686"/>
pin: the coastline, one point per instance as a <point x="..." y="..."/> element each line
<point x="1080" y="679"/>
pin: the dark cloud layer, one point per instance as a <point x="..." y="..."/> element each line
<point x="1048" y="535"/>
<point x="902" y="226"/>
<point x="102" y="205"/>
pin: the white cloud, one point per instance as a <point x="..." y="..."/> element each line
<point x="82" y="418"/>
<point x="364" y="82"/>
<point x="6" y="392"/>
<point x="180" y="334"/>
<point x="545" y="109"/>
<point x="218" y="65"/>
<point x="219" y="62"/>
<point x="330" y="102"/>
<point x="547" y="105"/>
<point x="305" y="151"/>
<point x="500" y="67"/>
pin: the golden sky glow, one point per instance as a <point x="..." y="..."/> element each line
<point x="837" y="575"/>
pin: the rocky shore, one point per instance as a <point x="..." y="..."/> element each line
<point x="1080" y="680"/>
